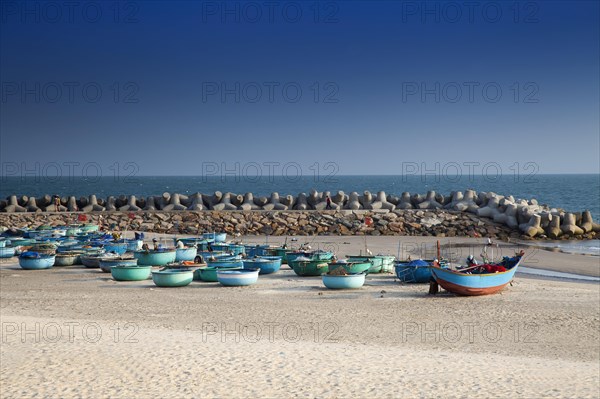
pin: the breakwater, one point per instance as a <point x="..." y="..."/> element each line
<point x="458" y="214"/>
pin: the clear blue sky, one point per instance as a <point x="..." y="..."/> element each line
<point x="381" y="82"/>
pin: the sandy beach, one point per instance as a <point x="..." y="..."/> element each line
<point x="74" y="332"/>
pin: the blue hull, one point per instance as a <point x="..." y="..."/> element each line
<point x="473" y="284"/>
<point x="235" y="278"/>
<point x="7" y="252"/>
<point x="217" y="237"/>
<point x="134" y="245"/>
<point x="155" y="258"/>
<point x="349" y="281"/>
<point x="225" y="263"/>
<point x="44" y="262"/>
<point x="266" y="266"/>
<point x="118" y="248"/>
<point x="255" y="250"/>
<point x="185" y="254"/>
<point x="413" y="273"/>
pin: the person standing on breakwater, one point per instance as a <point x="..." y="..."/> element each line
<point x="56" y="203"/>
<point x="328" y="203"/>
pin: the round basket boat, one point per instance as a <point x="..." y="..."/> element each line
<point x="107" y="264"/>
<point x="387" y="264"/>
<point x="7" y="252"/>
<point x="130" y="273"/>
<point x="172" y="277"/>
<point x="134" y="245"/>
<point x="185" y="254"/>
<point x="266" y="265"/>
<point x="36" y="261"/>
<point x="209" y="273"/>
<point x="236" y="278"/>
<point x="416" y="271"/>
<point x="350" y="267"/>
<point x="376" y="262"/>
<point x="225" y="262"/>
<point x="309" y="267"/>
<point x="118" y="248"/>
<point x="93" y="261"/>
<point x="343" y="281"/>
<point x="66" y="258"/>
<point x="155" y="258"/>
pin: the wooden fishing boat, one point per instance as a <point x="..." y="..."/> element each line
<point x="477" y="280"/>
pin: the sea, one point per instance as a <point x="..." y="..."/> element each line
<point x="572" y="192"/>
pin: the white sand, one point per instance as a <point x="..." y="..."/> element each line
<point x="538" y="338"/>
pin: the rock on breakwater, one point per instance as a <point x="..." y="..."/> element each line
<point x="520" y="216"/>
<point x="440" y="223"/>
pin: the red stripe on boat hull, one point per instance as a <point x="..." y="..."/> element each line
<point x="460" y="290"/>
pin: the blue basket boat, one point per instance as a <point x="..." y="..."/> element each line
<point x="155" y="258"/>
<point x="216" y="237"/>
<point x="118" y="248"/>
<point x="35" y="261"/>
<point x="255" y="250"/>
<point x="343" y="281"/>
<point x="266" y="265"/>
<point x="185" y="254"/>
<point x="107" y="264"/>
<point x="236" y="278"/>
<point x="237" y="249"/>
<point x="134" y="245"/>
<point x="209" y="274"/>
<point x="415" y="271"/>
<point x="206" y="254"/>
<point x="232" y="261"/>
<point x="7" y="252"/>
